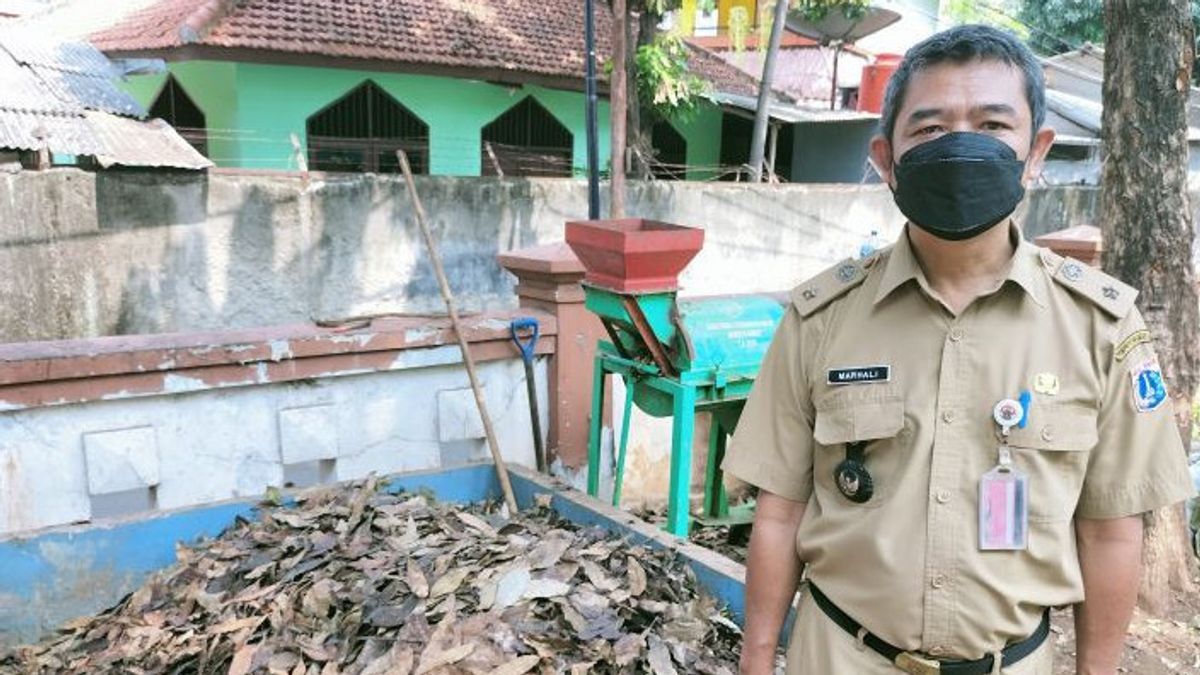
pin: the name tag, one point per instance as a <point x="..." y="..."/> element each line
<point x="862" y="375"/>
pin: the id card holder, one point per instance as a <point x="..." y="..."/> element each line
<point x="1003" y="509"/>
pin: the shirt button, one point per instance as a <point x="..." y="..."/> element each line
<point x="948" y="417"/>
<point x="956" y="334"/>
<point x="937" y="650"/>
<point x="943" y="496"/>
<point x="938" y="581"/>
<point x="1047" y="434"/>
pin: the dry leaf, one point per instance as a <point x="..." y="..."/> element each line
<point x="660" y="658"/>
<point x="476" y="523"/>
<point x="240" y="665"/>
<point x="545" y="588"/>
<point x="512" y="586"/>
<point x="518" y="666"/>
<point x="635" y="577"/>
<point x="449" y="582"/>
<point x="416" y="580"/>
<point x="445" y="658"/>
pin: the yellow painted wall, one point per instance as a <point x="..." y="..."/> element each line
<point x="724" y="7"/>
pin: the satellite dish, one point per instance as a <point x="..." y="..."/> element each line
<point x="835" y="29"/>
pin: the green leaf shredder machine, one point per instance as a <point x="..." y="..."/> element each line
<point x="676" y="356"/>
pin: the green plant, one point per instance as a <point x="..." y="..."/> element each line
<point x="664" y="83"/>
<point x="816" y="10"/>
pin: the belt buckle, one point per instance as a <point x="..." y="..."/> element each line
<point x="914" y="664"/>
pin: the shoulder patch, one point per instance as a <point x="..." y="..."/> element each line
<point x="1107" y="293"/>
<point x="831" y="284"/>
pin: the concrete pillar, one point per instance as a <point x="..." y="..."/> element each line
<point x="548" y="279"/>
<point x="1082" y="242"/>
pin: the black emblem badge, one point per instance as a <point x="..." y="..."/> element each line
<point x="851" y="475"/>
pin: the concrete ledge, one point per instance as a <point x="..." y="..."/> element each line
<point x="37" y="374"/>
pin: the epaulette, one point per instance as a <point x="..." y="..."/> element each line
<point x="1109" y="294"/>
<point x="831" y="284"/>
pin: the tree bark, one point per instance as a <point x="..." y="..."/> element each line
<point x="1148" y="231"/>
<point x="618" y="98"/>
<point x="640" y="121"/>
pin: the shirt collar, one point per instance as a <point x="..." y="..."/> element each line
<point x="902" y="266"/>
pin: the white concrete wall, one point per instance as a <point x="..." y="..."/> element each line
<point x="60" y="464"/>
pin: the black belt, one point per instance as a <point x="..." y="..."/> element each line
<point x="919" y="664"/>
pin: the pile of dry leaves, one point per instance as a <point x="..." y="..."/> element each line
<point x="360" y="581"/>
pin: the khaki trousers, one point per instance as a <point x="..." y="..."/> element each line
<point x="819" y="646"/>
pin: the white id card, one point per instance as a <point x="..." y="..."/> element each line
<point x="1003" y="510"/>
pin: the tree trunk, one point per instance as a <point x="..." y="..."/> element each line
<point x="1148" y="228"/>
<point x="618" y="98"/>
<point x="640" y="121"/>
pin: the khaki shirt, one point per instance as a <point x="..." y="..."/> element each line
<point x="906" y="564"/>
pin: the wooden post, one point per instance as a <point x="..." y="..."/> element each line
<point x="468" y="360"/>
<point x="487" y="145"/>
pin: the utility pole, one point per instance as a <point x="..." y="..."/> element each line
<point x="593" y="159"/>
<point x="758" y="140"/>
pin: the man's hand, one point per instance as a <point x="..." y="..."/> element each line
<point x="1110" y="557"/>
<point x="772" y="572"/>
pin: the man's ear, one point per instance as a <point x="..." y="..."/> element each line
<point x="1036" y="159"/>
<point x="881" y="159"/>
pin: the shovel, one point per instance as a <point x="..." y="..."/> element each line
<point x="526" y="347"/>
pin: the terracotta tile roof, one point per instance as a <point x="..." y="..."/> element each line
<point x="517" y="36"/>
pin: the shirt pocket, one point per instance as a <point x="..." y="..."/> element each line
<point x="863" y="415"/>
<point x="1053" y="450"/>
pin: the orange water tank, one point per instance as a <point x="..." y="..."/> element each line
<point x="875" y="77"/>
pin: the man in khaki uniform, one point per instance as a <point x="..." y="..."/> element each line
<point x="961" y="431"/>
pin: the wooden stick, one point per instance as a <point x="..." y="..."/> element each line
<point x="468" y="360"/>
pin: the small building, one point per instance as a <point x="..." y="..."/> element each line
<point x="1075" y="109"/>
<point x="465" y="88"/>
<point x="60" y="104"/>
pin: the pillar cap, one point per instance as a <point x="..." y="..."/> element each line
<point x="1083" y="242"/>
<point x="544" y="260"/>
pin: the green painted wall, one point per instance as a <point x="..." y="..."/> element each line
<point x="702" y="130"/>
<point x="252" y="109"/>
<point x="212" y="85"/>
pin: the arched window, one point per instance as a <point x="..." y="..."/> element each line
<point x="526" y="141"/>
<point x="362" y="131"/>
<point x="176" y="108"/>
<point x="670" y="152"/>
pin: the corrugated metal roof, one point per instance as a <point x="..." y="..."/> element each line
<point x="64" y="134"/>
<point x="791" y="114"/>
<point x="22" y="90"/>
<point x="61" y="97"/>
<point x="88" y="91"/>
<point x="130" y="142"/>
<point x="72" y="57"/>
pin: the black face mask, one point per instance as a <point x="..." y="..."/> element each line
<point x="959" y="185"/>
